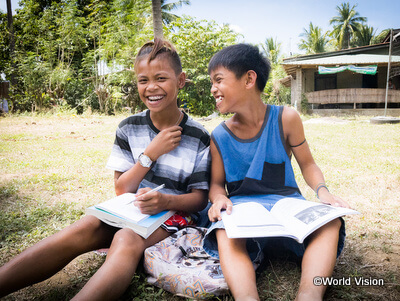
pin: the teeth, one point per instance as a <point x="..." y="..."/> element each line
<point x="154" y="98"/>
<point x="218" y="98"/>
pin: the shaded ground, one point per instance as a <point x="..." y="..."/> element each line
<point x="56" y="164"/>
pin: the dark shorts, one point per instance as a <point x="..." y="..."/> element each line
<point x="256" y="247"/>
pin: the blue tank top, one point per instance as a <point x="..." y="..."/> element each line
<point x="260" y="165"/>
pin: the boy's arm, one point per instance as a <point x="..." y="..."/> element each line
<point x="217" y="193"/>
<point x="155" y="202"/>
<point x="129" y="180"/>
<point x="165" y="141"/>
<point x="294" y="135"/>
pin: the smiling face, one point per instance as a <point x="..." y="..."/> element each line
<point x="158" y="84"/>
<point x="227" y="89"/>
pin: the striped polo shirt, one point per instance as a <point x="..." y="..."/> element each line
<point x="182" y="169"/>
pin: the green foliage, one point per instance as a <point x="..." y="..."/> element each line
<point x="196" y="42"/>
<point x="77" y="94"/>
<point x="61" y="43"/>
<point x="304" y="104"/>
<point x="346" y="24"/>
<point x="117" y="29"/>
<point x="275" y="92"/>
<point x="4" y="43"/>
<point x="166" y="7"/>
<point x="62" y="40"/>
<point x="314" y="40"/>
<point x="272" y="50"/>
<point x="379" y="37"/>
<point x="364" y="36"/>
<point x="33" y="74"/>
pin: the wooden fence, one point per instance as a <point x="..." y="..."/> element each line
<point x="354" y="95"/>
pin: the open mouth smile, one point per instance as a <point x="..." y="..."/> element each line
<point x="218" y="100"/>
<point x="154" y="99"/>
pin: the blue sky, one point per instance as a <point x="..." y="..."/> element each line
<point x="285" y="20"/>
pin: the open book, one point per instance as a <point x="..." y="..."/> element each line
<point x="289" y="217"/>
<point x="122" y="213"/>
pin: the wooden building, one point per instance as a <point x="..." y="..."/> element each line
<point x="349" y="79"/>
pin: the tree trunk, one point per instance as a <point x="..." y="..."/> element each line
<point x="12" y="46"/>
<point x="157" y="19"/>
<point x="10" y="28"/>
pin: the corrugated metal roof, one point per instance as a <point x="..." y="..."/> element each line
<point x="346" y="60"/>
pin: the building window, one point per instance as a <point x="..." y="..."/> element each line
<point x="370" y="81"/>
<point x="325" y="81"/>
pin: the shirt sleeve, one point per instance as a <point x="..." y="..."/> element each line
<point x="200" y="178"/>
<point x="121" y="158"/>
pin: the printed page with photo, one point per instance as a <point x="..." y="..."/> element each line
<point x="289" y="217"/>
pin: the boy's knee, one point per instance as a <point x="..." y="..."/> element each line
<point x="88" y="231"/>
<point x="88" y="225"/>
<point x="334" y="225"/>
<point x="126" y="239"/>
<point x="330" y="229"/>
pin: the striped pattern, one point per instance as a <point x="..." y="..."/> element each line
<point x="185" y="168"/>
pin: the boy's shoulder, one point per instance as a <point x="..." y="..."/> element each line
<point x="194" y="123"/>
<point x="196" y="129"/>
<point x="220" y="130"/>
<point x="290" y="115"/>
<point x="136" y="119"/>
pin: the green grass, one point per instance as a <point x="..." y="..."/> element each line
<point x="53" y="167"/>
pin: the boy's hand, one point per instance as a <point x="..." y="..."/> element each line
<point x="221" y="202"/>
<point x="165" y="141"/>
<point x="150" y="202"/>
<point x="327" y="198"/>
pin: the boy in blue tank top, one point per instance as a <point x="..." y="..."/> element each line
<point x="251" y="156"/>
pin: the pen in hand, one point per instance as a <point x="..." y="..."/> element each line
<point x="154" y="189"/>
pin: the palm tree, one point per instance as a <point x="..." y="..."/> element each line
<point x="167" y="17"/>
<point x="157" y="19"/>
<point x="10" y="27"/>
<point x="161" y="14"/>
<point x="364" y="36"/>
<point x="314" y="40"/>
<point x="346" y="24"/>
<point x="12" y="41"/>
<point x="379" y="37"/>
<point x="272" y="50"/>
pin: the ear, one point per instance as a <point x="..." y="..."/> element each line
<point x="251" y="78"/>
<point x="181" y="80"/>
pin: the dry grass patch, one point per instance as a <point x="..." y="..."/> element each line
<point x="52" y="168"/>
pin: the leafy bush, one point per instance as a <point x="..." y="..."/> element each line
<point x="196" y="42"/>
<point x="77" y="94"/>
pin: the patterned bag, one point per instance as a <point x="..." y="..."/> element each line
<point x="179" y="264"/>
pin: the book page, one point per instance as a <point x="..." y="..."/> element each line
<point x="251" y="219"/>
<point x="123" y="206"/>
<point x="302" y="217"/>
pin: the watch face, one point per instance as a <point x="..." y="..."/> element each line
<point x="144" y="160"/>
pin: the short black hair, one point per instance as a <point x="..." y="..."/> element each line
<point x="241" y="58"/>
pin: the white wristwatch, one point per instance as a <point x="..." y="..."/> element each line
<point x="144" y="160"/>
